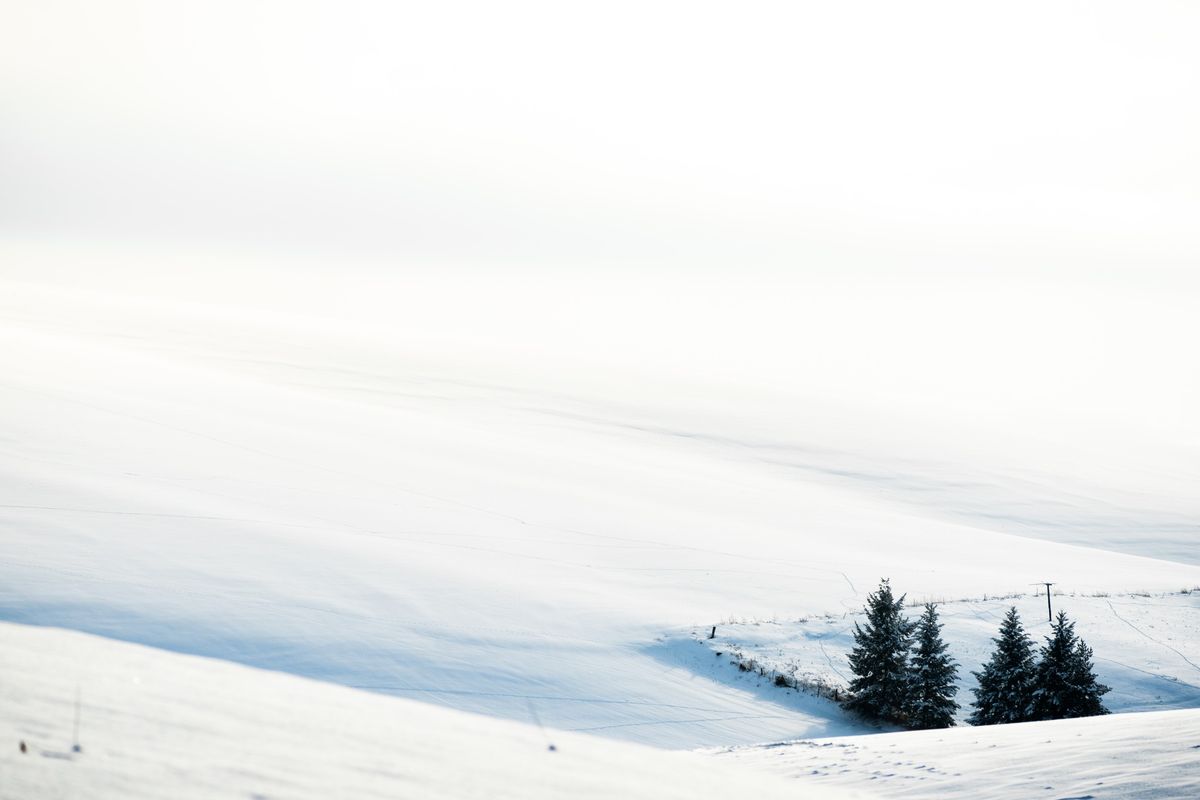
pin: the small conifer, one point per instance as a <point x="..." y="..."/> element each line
<point x="1066" y="684"/>
<point x="1006" y="682"/>
<point x="931" y="677"/>
<point x="879" y="659"/>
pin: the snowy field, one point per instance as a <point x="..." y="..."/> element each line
<point x="156" y="725"/>
<point x="260" y="477"/>
<point x="1150" y="756"/>
<point x="1146" y="648"/>
<point x="412" y="376"/>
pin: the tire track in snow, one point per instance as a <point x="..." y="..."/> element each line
<point x="1193" y="664"/>
<point x="1174" y="682"/>
<point x="829" y="660"/>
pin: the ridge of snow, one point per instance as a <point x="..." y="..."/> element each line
<point x="156" y="724"/>
<point x="1151" y="755"/>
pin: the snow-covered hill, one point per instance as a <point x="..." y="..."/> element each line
<point x="1151" y="756"/>
<point x="442" y="489"/>
<point x="477" y="353"/>
<point x="156" y="725"/>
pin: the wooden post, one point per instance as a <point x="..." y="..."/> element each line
<point x="75" y="743"/>
<point x="713" y="634"/>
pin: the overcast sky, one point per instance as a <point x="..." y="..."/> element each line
<point x="934" y="220"/>
<point x="810" y="136"/>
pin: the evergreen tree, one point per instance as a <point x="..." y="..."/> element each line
<point x="931" y="675"/>
<point x="1066" y="685"/>
<point x="879" y="658"/>
<point x="1006" y="682"/>
<point x="1089" y="690"/>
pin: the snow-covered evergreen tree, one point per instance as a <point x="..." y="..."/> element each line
<point x="1006" y="682"/>
<point x="931" y="677"/>
<point x="879" y="659"/>
<point x="1066" y="685"/>
<point x="1089" y="690"/>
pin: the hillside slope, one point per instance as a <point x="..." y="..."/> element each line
<point x="407" y="509"/>
<point x="1152" y="756"/>
<point x="156" y="724"/>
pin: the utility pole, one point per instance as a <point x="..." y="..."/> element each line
<point x="1049" y="612"/>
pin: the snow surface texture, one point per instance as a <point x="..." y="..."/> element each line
<point x="1153" y="755"/>
<point x="157" y="725"/>
<point x="1147" y="649"/>
<point x="464" y="497"/>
